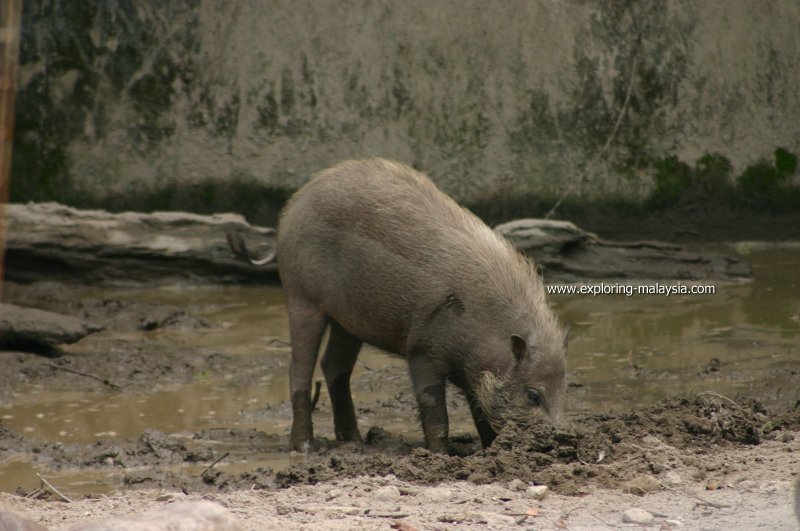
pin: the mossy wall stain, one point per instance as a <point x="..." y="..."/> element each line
<point x="169" y="103"/>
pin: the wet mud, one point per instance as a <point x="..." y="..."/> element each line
<point x="185" y="389"/>
<point x="592" y="451"/>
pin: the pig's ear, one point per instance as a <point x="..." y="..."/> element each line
<point x="519" y="347"/>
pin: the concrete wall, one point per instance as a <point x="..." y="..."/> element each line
<point x="124" y="98"/>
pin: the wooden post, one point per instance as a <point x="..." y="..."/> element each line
<point x="10" y="29"/>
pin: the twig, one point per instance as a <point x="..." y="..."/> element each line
<point x="226" y="454"/>
<point x="315" y="398"/>
<point x="605" y="147"/>
<point x="86" y="374"/>
<point x="55" y="490"/>
<point x="388" y="515"/>
<point x="702" y="501"/>
<point x="34" y="494"/>
<point x="717" y="395"/>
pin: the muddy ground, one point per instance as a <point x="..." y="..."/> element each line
<point x="703" y="461"/>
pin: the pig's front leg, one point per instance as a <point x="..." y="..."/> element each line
<point x="429" y="389"/>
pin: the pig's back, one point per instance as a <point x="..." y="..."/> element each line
<point x="378" y="246"/>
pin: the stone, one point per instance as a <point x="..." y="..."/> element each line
<point x="197" y="516"/>
<point x="333" y="493"/>
<point x="637" y="516"/>
<point x="283" y="508"/>
<point x="746" y="485"/>
<point x="642" y="485"/>
<point x="455" y="518"/>
<point x="349" y="510"/>
<point x="24" y="328"/>
<point x="436" y="495"/>
<point x="387" y="493"/>
<point x="517" y="485"/>
<point x="536" y="492"/>
<point x="672" y="479"/>
<point x="492" y="519"/>
<point x="12" y="521"/>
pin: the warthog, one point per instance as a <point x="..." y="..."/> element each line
<point x="374" y="251"/>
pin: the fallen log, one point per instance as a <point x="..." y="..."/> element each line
<point x="48" y="241"/>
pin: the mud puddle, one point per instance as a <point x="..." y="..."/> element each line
<point x="202" y="372"/>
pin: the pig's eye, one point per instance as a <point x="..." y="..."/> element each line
<point x="534" y="397"/>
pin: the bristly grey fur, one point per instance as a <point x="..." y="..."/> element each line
<point x="375" y="247"/>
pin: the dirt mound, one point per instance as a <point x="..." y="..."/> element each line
<point x="606" y="450"/>
<point x="596" y="451"/>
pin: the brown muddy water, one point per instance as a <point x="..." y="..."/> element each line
<point x="624" y="352"/>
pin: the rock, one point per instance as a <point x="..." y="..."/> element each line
<point x="197" y="516"/>
<point x="333" y="493"/>
<point x="517" y="485"/>
<point x="283" y="508"/>
<point x="495" y="492"/>
<point x="349" y="510"/>
<point x="387" y="493"/>
<point x="455" y="518"/>
<point x="637" y="516"/>
<point x="786" y="437"/>
<point x="642" y="485"/>
<point x="49" y="241"/>
<point x="436" y="495"/>
<point x="746" y="485"/>
<point x="536" y="492"/>
<point x="11" y="521"/>
<point x="22" y="327"/>
<point x="567" y="254"/>
<point x="672" y="479"/>
<point x="492" y="519"/>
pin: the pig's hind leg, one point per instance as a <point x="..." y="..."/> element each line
<point x="307" y="324"/>
<point x="337" y="365"/>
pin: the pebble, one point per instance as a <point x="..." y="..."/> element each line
<point x="387" y="493"/>
<point x="495" y="492"/>
<point x="283" y="508"/>
<point x="456" y="518"/>
<point x="348" y="510"/>
<point x="333" y="493"/>
<point x="672" y="479"/>
<point x="436" y="494"/>
<point x="642" y="485"/>
<point x="517" y="485"/>
<point x="637" y="516"/>
<point x="746" y="485"/>
<point x="786" y="437"/>
<point x="537" y="492"/>
<point x="493" y="519"/>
